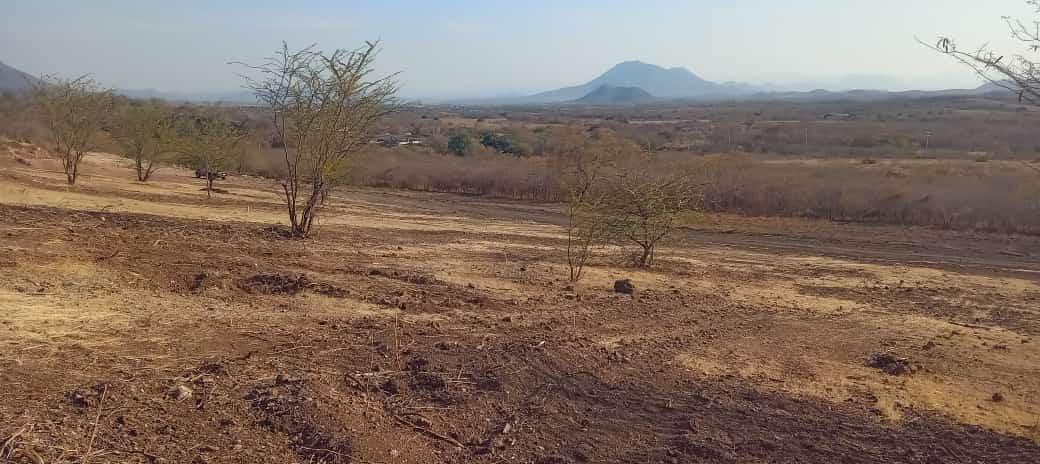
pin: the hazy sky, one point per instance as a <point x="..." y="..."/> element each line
<point x="482" y="47"/>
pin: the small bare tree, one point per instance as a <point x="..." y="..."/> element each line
<point x="74" y="112"/>
<point x="585" y="165"/>
<point x="146" y="134"/>
<point x="645" y="205"/>
<point x="323" y="105"/>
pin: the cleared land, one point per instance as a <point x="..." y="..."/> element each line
<point x="143" y="323"/>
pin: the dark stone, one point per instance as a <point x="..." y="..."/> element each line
<point x="624" y="286"/>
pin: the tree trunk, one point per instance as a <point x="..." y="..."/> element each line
<point x="302" y="227"/>
<point x="209" y="185"/>
<point x="71" y="171"/>
<point x="66" y="164"/>
<point x="148" y="170"/>
<point x="573" y="277"/>
<point x="290" y="203"/>
<point x="647" y="256"/>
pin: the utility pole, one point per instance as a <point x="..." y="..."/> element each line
<point x="927" y="139"/>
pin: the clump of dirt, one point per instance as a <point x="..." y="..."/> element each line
<point x="890" y="364"/>
<point x="289" y="407"/>
<point x="488" y="382"/>
<point x="427" y="381"/>
<point x="212" y="368"/>
<point x="274" y="284"/>
<point x="391" y="386"/>
<point x="418" y="279"/>
<point x="417" y="364"/>
<point x="276" y="232"/>
<point x="327" y="289"/>
<point x="85" y="398"/>
<point x="409" y="277"/>
<point x="422" y="380"/>
<point x="283" y="284"/>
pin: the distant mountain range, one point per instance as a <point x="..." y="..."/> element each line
<point x="681" y="84"/>
<point x="630" y="82"/>
<point x="988" y="88"/>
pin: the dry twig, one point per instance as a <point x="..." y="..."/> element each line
<point x="429" y="432"/>
<point x="97" y="419"/>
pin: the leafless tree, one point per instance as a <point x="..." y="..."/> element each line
<point x="1017" y="72"/>
<point x="645" y="205"/>
<point x="323" y="105"/>
<point x="585" y="165"/>
<point x="146" y="134"/>
<point x="74" y="112"/>
<point x="209" y="142"/>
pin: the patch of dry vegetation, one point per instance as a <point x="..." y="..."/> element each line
<point x="1000" y="196"/>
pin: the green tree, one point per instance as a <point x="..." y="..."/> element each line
<point x="504" y="144"/>
<point x="459" y="144"/>
<point x="490" y="140"/>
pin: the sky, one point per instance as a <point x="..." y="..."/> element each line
<point x="479" y="48"/>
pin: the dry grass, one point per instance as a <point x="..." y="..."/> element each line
<point x="1001" y="196"/>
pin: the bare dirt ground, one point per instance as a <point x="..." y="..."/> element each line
<point x="144" y="323"/>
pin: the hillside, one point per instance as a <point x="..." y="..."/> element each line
<point x="13" y="80"/>
<point x="611" y="95"/>
<point x="658" y="81"/>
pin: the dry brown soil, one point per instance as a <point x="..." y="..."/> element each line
<point x="145" y="323"/>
